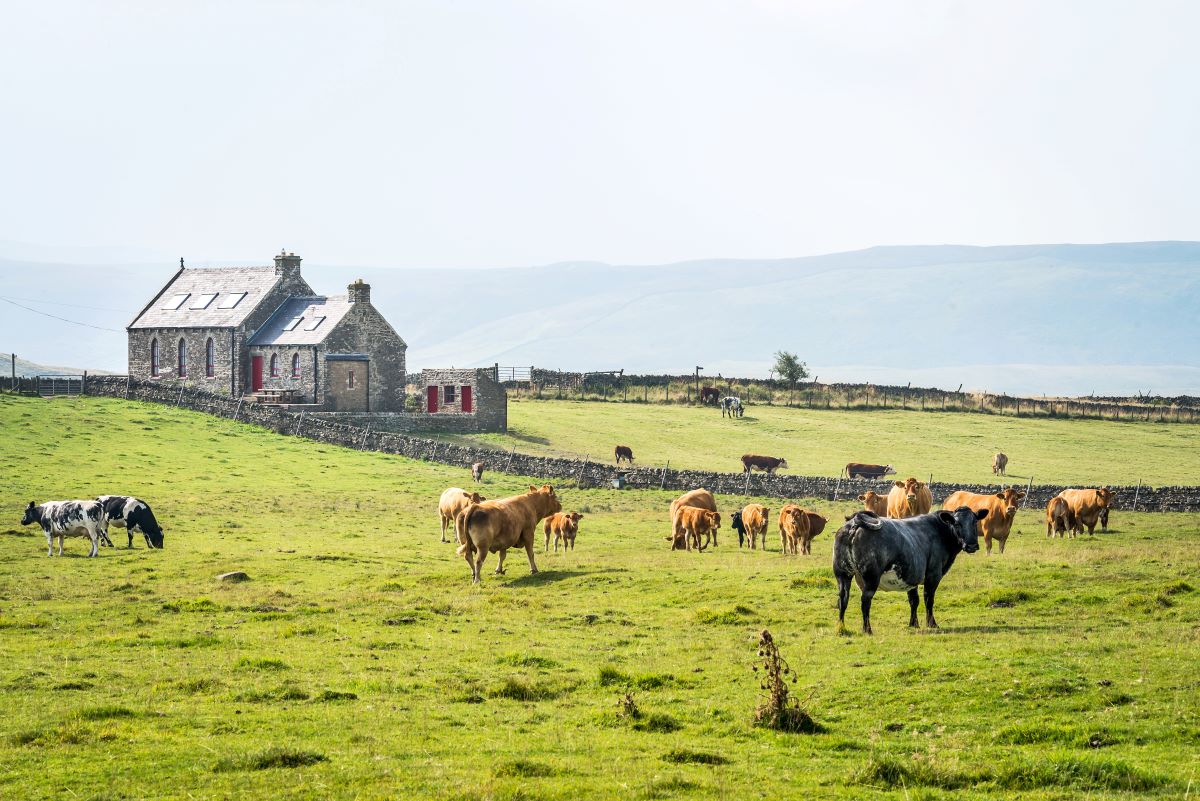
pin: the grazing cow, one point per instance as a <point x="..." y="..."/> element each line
<point x="477" y="471"/>
<point x="710" y="396"/>
<point x="1059" y="519"/>
<point x="757" y="519"/>
<point x="1002" y="510"/>
<point x="451" y="504"/>
<point x="899" y="556"/>
<point x="768" y="463"/>
<point x="698" y="499"/>
<point x="909" y="498"/>
<point x="1088" y="506"/>
<point x="874" y="502"/>
<point x="732" y="407"/>
<point x="68" y="519"/>
<point x="496" y="526"/>
<point x="692" y="523"/>
<point x="857" y="470"/>
<point x="999" y="464"/>
<point x="624" y="452"/>
<point x="793" y="528"/>
<point x="564" y="527"/>
<point x="129" y="513"/>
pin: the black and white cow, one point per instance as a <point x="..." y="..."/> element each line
<point x="129" y="513"/>
<point x="68" y="519"/>
<point x="732" y="406"/>
<point x="900" y="555"/>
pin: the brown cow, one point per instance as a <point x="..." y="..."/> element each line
<point x="793" y="528"/>
<point x="691" y="523"/>
<point x="710" y="396"/>
<point x="768" y="463"/>
<point x="756" y="518"/>
<point x="999" y="464"/>
<point x="909" y="498"/>
<point x="477" y="471"/>
<point x="624" y="452"/>
<point x="816" y="524"/>
<point x="857" y="470"/>
<point x="496" y="526"/>
<point x="1059" y="518"/>
<point x="1087" y="506"/>
<point x="563" y="526"/>
<point x="452" y="502"/>
<point x="872" y="501"/>
<point x="697" y="499"/>
<point x="1002" y="510"/>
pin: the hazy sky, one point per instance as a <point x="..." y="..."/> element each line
<point x="509" y="133"/>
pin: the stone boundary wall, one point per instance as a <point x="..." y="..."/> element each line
<point x="329" y="429"/>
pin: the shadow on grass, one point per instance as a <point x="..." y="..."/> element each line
<point x="551" y="576"/>
<point x="999" y="629"/>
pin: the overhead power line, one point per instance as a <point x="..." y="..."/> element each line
<point x="63" y="319"/>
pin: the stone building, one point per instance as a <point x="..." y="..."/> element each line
<point x="466" y="393"/>
<point x="264" y="331"/>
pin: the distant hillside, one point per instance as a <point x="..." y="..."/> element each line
<point x="1112" y="319"/>
<point x="27" y="368"/>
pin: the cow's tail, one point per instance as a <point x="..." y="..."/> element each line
<point x="466" y="546"/>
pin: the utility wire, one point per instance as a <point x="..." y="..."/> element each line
<point x="56" y="317"/>
<point x="41" y="302"/>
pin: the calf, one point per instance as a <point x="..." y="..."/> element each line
<point x="768" y="463"/>
<point x="624" y="452"/>
<point x="899" y="556"/>
<point x="735" y="522"/>
<point x="451" y="504"/>
<point x="477" y="471"/>
<point x="1059" y="519"/>
<point x="130" y="513"/>
<point x="793" y="529"/>
<point x="68" y="519"/>
<point x="757" y="518"/>
<point x="564" y="527"/>
<point x="1002" y="509"/>
<point x="999" y="464"/>
<point x="874" y="502"/>
<point x="692" y="523"/>
<point x="859" y="470"/>
<point x="697" y="499"/>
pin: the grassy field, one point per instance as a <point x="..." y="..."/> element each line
<point x="953" y="447"/>
<point x="359" y="663"/>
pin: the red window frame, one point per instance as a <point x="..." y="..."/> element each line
<point x="274" y="365"/>
<point x="295" y="365"/>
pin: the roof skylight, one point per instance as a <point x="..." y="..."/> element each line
<point x="175" y="301"/>
<point x="295" y="321"/>
<point x="231" y="300"/>
<point x="202" y="301"/>
<point x="314" y="324"/>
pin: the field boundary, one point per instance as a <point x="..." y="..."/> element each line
<point x="582" y="473"/>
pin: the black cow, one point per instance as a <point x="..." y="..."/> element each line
<point x="129" y="513"/>
<point x="739" y="527"/>
<point x="900" y="555"/>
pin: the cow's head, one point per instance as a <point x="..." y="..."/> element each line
<point x="155" y="536"/>
<point x="548" y="499"/>
<point x="575" y="517"/>
<point x="1105" y="496"/>
<point x="963" y="521"/>
<point x="713" y="518"/>
<point x="735" y="520"/>
<point x="31" y="514"/>
<point x="888" y="470"/>
<point x="783" y="463"/>
<point x="475" y="497"/>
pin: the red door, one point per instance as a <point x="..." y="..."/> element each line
<point x="431" y="399"/>
<point x="466" y="399"/>
<point x="256" y="373"/>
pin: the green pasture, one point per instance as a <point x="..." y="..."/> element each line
<point x="359" y="663"/>
<point x="950" y="446"/>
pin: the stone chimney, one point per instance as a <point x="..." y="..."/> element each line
<point x="359" y="292"/>
<point x="287" y="264"/>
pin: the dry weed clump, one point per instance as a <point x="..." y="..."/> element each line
<point x="779" y="710"/>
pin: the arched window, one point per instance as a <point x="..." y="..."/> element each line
<point x="295" y="365"/>
<point x="274" y="365"/>
<point x="210" y="359"/>
<point x="183" y="358"/>
<point x="350" y="380"/>
<point x="154" y="358"/>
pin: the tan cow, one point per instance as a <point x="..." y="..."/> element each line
<point x="874" y="502"/>
<point x="909" y="498"/>
<point x="453" y="501"/>
<point x="756" y="518"/>
<point x="1087" y="506"/>
<point x="1002" y="510"/>
<point x="496" y="526"/>
<point x="1059" y="519"/>
<point x="693" y="523"/>
<point x="563" y="526"/>
<point x="999" y="464"/>
<point x="696" y="499"/>
<point x="793" y="528"/>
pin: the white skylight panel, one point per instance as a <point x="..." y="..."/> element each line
<point x="295" y="321"/>
<point x="231" y="300"/>
<point x="202" y="301"/>
<point x="175" y="301"/>
<point x="314" y="324"/>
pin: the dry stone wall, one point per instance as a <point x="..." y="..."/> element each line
<point x="334" y="429"/>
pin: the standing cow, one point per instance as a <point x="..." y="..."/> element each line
<point x="130" y="513"/>
<point x="564" y="527"/>
<point x="999" y="464"/>
<point x="793" y="529"/>
<point x="710" y="396"/>
<point x="872" y="471"/>
<point x="732" y="407"/>
<point x="68" y="519"/>
<point x="496" y="526"/>
<point x="477" y="471"/>
<point x="623" y="452"/>
<point x="756" y="518"/>
<point x="1002" y="510"/>
<point x="770" y="464"/>
<point x="451" y="504"/>
<point x="909" y="498"/>
<point x="1088" y="507"/>
<point x="899" y="556"/>
<point x="873" y="502"/>
<point x="696" y="499"/>
<point x="1059" y="519"/>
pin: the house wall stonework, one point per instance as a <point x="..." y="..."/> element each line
<point x="364" y="330"/>
<point x="140" y="340"/>
<point x="489" y="399"/>
<point x="307" y="391"/>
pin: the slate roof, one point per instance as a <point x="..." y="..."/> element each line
<point x="273" y="332"/>
<point x="256" y="282"/>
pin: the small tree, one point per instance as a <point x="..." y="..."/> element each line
<point x="790" y="368"/>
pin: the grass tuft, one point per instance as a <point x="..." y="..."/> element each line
<point x="525" y="768"/>
<point x="685" y="756"/>
<point x="517" y="689"/>
<point x="274" y="757"/>
<point x="105" y="713"/>
<point x="263" y="664"/>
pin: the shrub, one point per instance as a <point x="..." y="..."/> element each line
<point x="780" y="710"/>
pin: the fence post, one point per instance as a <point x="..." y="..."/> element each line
<point x="837" y="485"/>
<point x="1136" y="493"/>
<point x="663" y="481"/>
<point x="179" y="400"/>
<point x="746" y="488"/>
<point x="579" y="478"/>
<point x="299" y="424"/>
<point x="1028" y="489"/>
<point x="508" y="464"/>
